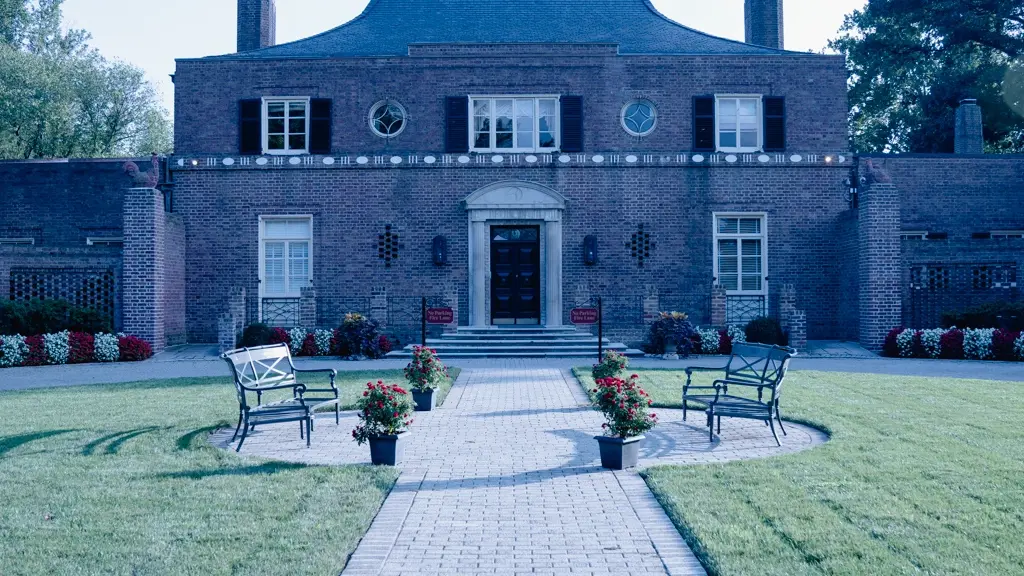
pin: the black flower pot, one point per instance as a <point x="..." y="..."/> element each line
<point x="386" y="449"/>
<point x="619" y="453"/>
<point x="425" y="400"/>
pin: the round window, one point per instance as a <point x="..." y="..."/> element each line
<point x="639" y="117"/>
<point x="387" y="119"/>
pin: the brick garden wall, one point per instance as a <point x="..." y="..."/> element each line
<point x="174" y="279"/>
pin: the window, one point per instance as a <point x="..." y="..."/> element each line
<point x="740" y="256"/>
<point x="913" y="235"/>
<point x="285" y="125"/>
<point x="514" y="124"/>
<point x="285" y="255"/>
<point x="1005" y="234"/>
<point x="738" y="123"/>
<point x="387" y="119"/>
<point x="17" y="241"/>
<point x="639" y="117"/>
<point x="100" y="241"/>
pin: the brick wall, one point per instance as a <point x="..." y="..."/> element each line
<point x="879" y="263"/>
<point x="207" y="94"/>
<point x="174" y="279"/>
<point x="847" y="242"/>
<point x="144" y="265"/>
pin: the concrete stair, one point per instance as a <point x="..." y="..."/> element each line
<point x="517" y="342"/>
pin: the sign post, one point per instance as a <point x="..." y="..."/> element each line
<point x="423" y="324"/>
<point x="600" y="329"/>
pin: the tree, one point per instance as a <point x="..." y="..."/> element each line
<point x="912" y="61"/>
<point x="61" y="98"/>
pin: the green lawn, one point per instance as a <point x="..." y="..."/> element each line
<point x="921" y="476"/>
<point x="119" y="479"/>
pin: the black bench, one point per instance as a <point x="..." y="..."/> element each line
<point x="267" y="368"/>
<point x="751" y="367"/>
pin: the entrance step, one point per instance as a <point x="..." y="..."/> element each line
<point x="518" y="342"/>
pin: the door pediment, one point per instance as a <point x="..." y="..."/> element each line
<point x="515" y="195"/>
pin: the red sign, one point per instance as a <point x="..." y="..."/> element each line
<point x="583" y="316"/>
<point x="440" y="316"/>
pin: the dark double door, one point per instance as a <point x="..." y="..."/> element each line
<point x="515" y="275"/>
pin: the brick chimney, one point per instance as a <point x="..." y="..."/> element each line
<point x="764" y="22"/>
<point x="257" y="24"/>
<point x="969" y="136"/>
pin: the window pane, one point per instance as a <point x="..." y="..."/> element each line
<point x="275" y="109"/>
<point x="503" y="115"/>
<point x="729" y="282"/>
<point x="750" y="226"/>
<point x="727" y="111"/>
<point x="273" y="268"/>
<point x="752" y="265"/>
<point x="727" y="247"/>
<point x="284" y="228"/>
<point x="297" y="110"/>
<point x="547" y="107"/>
<point x="482" y="108"/>
<point x="751" y="247"/>
<point x="483" y="140"/>
<point x="748" y="139"/>
<point x="503" y="140"/>
<point x="752" y="283"/>
<point x="748" y="107"/>
<point x="297" y="126"/>
<point x="298" y="265"/>
<point x="524" y="123"/>
<point x="483" y="124"/>
<point x="727" y="139"/>
<point x="275" y="142"/>
<point x="297" y="142"/>
<point x="275" y="126"/>
<point x="547" y="140"/>
<point x="727" y="226"/>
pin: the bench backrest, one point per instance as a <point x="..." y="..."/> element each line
<point x="759" y="364"/>
<point x="260" y="366"/>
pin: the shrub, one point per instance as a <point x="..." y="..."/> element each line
<point x="134" y="349"/>
<point x="256" y="335"/>
<point x="358" y="335"/>
<point x="106" y="348"/>
<point x="36" y="317"/>
<point x="951" y="344"/>
<point x="384" y="345"/>
<point x="36" y="355"/>
<point x="931" y="342"/>
<point x="890" y="347"/>
<point x="905" y="343"/>
<point x="309" y="347"/>
<point x="425" y="371"/>
<point x="1003" y="342"/>
<point x="610" y="366"/>
<point x="671" y="329"/>
<point x="384" y="409"/>
<point x="765" y="330"/>
<point x="710" y="341"/>
<point x="1018" y="347"/>
<point x="724" y="341"/>
<point x="990" y="315"/>
<point x="978" y="343"/>
<point x="296" y="338"/>
<point x="13" y="350"/>
<point x="81" y="348"/>
<point x="624" y="405"/>
<point x="323" y="339"/>
<point x="279" y="336"/>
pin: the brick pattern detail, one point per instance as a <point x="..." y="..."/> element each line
<point x="307" y="307"/>
<point x="174" y="280"/>
<point x="764" y="23"/>
<point x="879" y="269"/>
<point x="970" y="138"/>
<point x="719" y="306"/>
<point x="793" y="321"/>
<point x="257" y="24"/>
<point x="379" y="305"/>
<point x="144" y="265"/>
<point x="232" y="321"/>
<point x="652" y="304"/>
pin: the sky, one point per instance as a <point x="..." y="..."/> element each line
<point x="153" y="37"/>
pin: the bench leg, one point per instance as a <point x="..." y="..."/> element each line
<point x="337" y="413"/>
<point x="711" y="424"/>
<point x="684" y="407"/>
<point x="772" y="424"/>
<point x="238" y="427"/>
<point x="301" y="427"/>
<point x="779" y="416"/>
<point x="719" y="425"/>
<point x="245" y="431"/>
<point x="309" y="429"/>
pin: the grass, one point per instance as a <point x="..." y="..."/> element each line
<point x="119" y="479"/>
<point x="921" y="476"/>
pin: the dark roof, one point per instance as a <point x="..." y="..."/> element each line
<point x="388" y="27"/>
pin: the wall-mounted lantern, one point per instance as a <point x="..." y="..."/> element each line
<point x="440" y="251"/>
<point x="590" y="250"/>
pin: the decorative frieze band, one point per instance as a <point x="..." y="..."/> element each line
<point x="505" y="160"/>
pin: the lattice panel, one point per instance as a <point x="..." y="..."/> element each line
<point x="640" y="245"/>
<point x="93" y="288"/>
<point x="388" y="246"/>
<point x="281" y="312"/>
<point x="743" y="309"/>
<point x="936" y="289"/>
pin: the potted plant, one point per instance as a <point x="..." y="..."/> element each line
<point x="425" y="373"/>
<point x="672" y="334"/>
<point x="624" y="405"/>
<point x="384" y="411"/>
<point x="611" y="365"/>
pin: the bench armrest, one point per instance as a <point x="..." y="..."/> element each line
<point x="691" y="369"/>
<point x="332" y="371"/>
<point x="261" y="389"/>
<point x="727" y="383"/>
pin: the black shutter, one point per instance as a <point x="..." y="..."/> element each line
<point x="250" y="127"/>
<point x="704" y="123"/>
<point x="320" y="126"/>
<point x="774" y="124"/>
<point x="572" y="123"/>
<point x="456" y="134"/>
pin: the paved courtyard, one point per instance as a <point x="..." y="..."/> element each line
<point x="505" y="478"/>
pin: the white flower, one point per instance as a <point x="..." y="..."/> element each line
<point x="298" y="336"/>
<point x="710" y="340"/>
<point x="323" y="341"/>
<point x="930" y="341"/>
<point x="105" y="348"/>
<point x="738" y="334"/>
<point x="13" y="350"/>
<point x="905" y="342"/>
<point x="1018" y="347"/>
<point x="56" y="347"/>
<point x="978" y="343"/>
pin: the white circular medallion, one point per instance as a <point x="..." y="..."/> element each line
<point x="228" y="161"/>
<point x="796" y="158"/>
<point x="842" y="159"/>
<point x="731" y="158"/>
<point x="631" y="159"/>
<point x="429" y="159"/>
<point x="463" y="159"/>
<point x="764" y="158"/>
<point x="531" y="159"/>
<point x="329" y="160"/>
<point x="698" y="158"/>
<point x="294" y="161"/>
<point x="564" y="159"/>
<point x="497" y="158"/>
<point x="181" y="161"/>
<point x="261" y="161"/>
<point x="396" y="160"/>
<point x="598" y="159"/>
<point x="362" y="160"/>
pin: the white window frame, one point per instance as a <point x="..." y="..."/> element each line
<point x="760" y="123"/>
<point x="1007" y="234"/>
<point x="914" y="235"/>
<point x="763" y="236"/>
<point x="262" y="256"/>
<point x="17" y="241"/>
<point x="104" y="241"/>
<point x="267" y="100"/>
<point x="536" y="123"/>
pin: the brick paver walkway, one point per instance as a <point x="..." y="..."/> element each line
<point x="505" y="478"/>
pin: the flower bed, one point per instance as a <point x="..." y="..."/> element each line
<point x="955" y="344"/>
<point x="358" y="337"/>
<point x="71" y="348"/>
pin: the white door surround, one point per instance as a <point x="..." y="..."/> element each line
<point x="516" y="203"/>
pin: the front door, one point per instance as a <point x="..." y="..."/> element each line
<point x="515" y="275"/>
